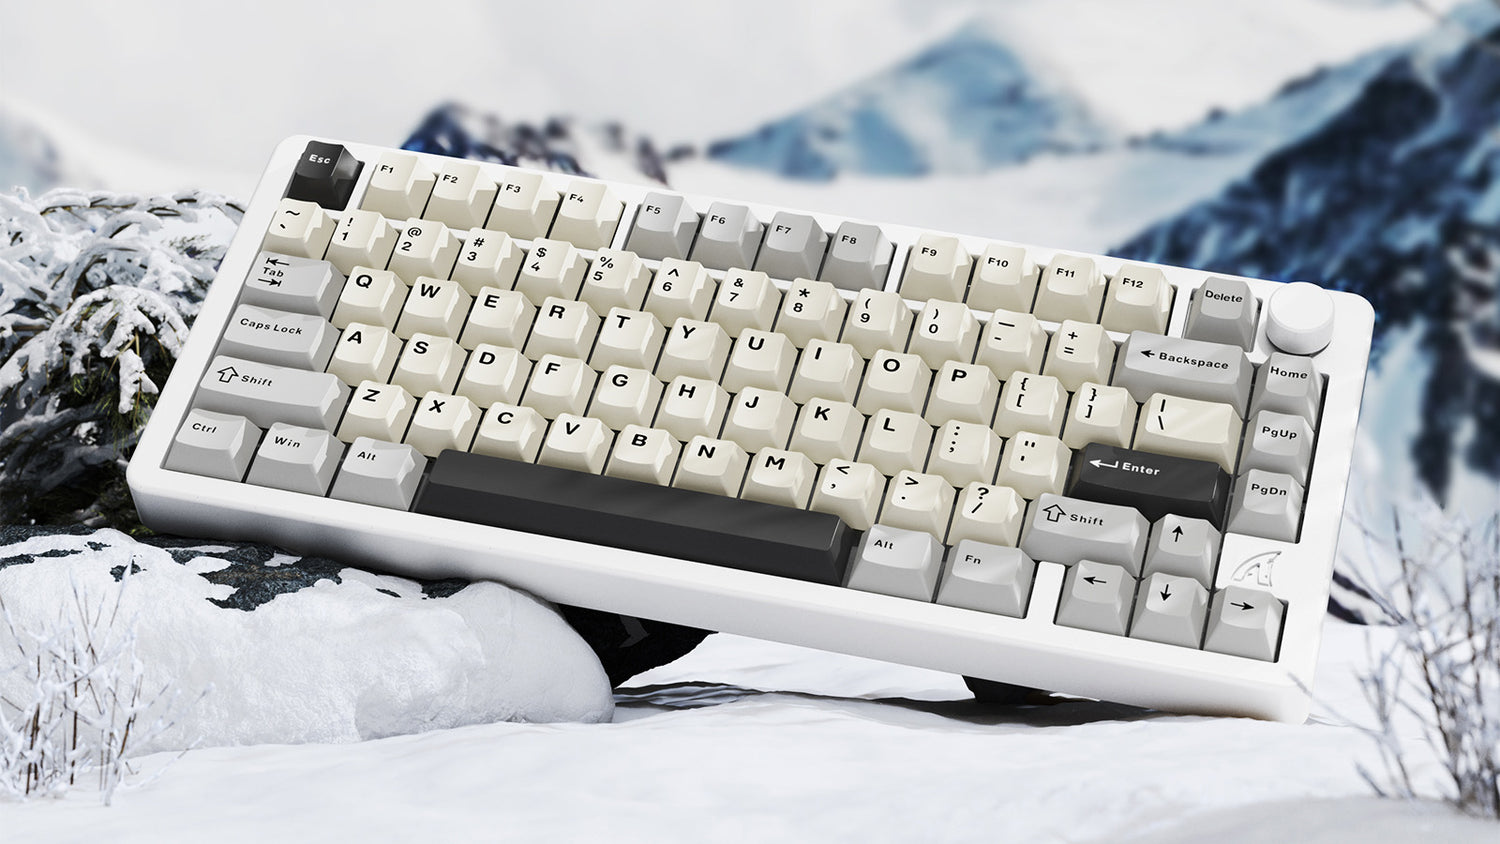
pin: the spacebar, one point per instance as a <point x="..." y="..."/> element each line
<point x="621" y="513"/>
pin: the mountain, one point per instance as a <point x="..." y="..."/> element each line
<point x="965" y="104"/>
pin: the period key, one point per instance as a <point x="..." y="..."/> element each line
<point x="1154" y="484"/>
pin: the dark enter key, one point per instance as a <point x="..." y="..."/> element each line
<point x="1154" y="484"/>
<point x="621" y="513"/>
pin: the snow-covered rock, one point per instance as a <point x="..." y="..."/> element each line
<point x="262" y="647"/>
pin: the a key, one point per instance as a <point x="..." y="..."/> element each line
<point x="793" y="247"/>
<point x="1278" y="442"/>
<point x="1005" y="278"/>
<point x="326" y="174"/>
<point x="265" y="394"/>
<point x="712" y="466"/>
<point x="524" y="204"/>
<point x="488" y="259"/>
<point x="760" y="359"/>
<point x="429" y="362"/>
<point x="988" y="578"/>
<point x="827" y="370"/>
<point x="424" y="248"/>
<point x="563" y="327"/>
<point x="299" y="228"/>
<point x="1267" y="504"/>
<point x="1100" y="414"/>
<point x="363" y="239"/>
<point x="1034" y="464"/>
<point x="945" y="331"/>
<point x="729" y="239"/>
<point x="616" y="279"/>
<point x="295" y="458"/>
<point x="963" y="392"/>
<point x="1067" y="530"/>
<point x="576" y="442"/>
<point x="1170" y="610"/>
<point x="918" y="501"/>
<point x="560" y="385"/>
<point x="894" y="380"/>
<point x="1033" y="403"/>
<point x="1011" y="342"/>
<point x="287" y="283"/>
<point x="644" y="454"/>
<point x="626" y="396"/>
<point x="664" y="227"/>
<point x="1149" y="363"/>
<point x="1072" y="287"/>
<point x="987" y="513"/>
<point x="373" y="297"/>
<point x="759" y="419"/>
<point x="511" y="432"/>
<point x="895" y="440"/>
<point x="812" y="310"/>
<point x="1183" y="547"/>
<point x="892" y="561"/>
<point x="691" y="407"/>
<point x="1140" y="299"/>
<point x="399" y="186"/>
<point x="1080" y="352"/>
<point x="1288" y="384"/>
<point x="587" y="215"/>
<point x="494" y="374"/>
<point x="218" y="445"/>
<point x="777" y="476"/>
<point x="1244" y="622"/>
<point x="936" y="268"/>
<point x="1096" y="596"/>
<point x="746" y="299"/>
<point x="364" y="353"/>
<point x="1224" y="311"/>
<point x="1154" y="484"/>
<point x="553" y="268"/>
<point x="628" y="338"/>
<point x="380" y="473"/>
<point x="859" y="257"/>
<point x="828" y="430"/>
<point x="442" y="421"/>
<point x="434" y="306"/>
<point x="1201" y="430"/>
<point x="500" y="317"/>
<point x="877" y="320"/>
<point x="461" y="196"/>
<point x="963" y="452"/>
<point x="377" y="410"/>
<point x="694" y="348"/>
<point x="680" y="289"/>
<point x="852" y="491"/>
<point x="278" y="337"/>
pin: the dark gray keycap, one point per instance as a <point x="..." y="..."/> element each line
<point x="604" y="510"/>
<point x="729" y="239"/>
<point x="1096" y="596"/>
<point x="381" y="473"/>
<point x="1288" y="384"/>
<point x="1223" y="311"/>
<point x="1244" y="622"/>
<point x="285" y="339"/>
<point x="893" y="561"/>
<point x="267" y="394"/>
<point x="664" y="227"/>
<point x="859" y="257"/>
<point x="793" y="247"/>
<point x="1154" y="484"/>
<point x="989" y="578"/>
<point x="1192" y="369"/>
<point x="218" y="445"/>
<point x="1066" y="530"/>
<point x="1170" y="610"/>
<point x="299" y="285"/>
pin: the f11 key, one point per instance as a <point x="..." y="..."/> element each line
<point x="1154" y="484"/>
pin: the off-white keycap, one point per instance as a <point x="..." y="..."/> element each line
<point x="1005" y="278"/>
<point x="1171" y="610"/>
<point x="1080" y="351"/>
<point x="362" y="239"/>
<point x="1203" y="430"/>
<point x="423" y="248"/>
<point x="1244" y="622"/>
<point x="628" y="338"/>
<point x="694" y="348"/>
<point x="691" y="407"/>
<point x="364" y="353"/>
<point x="679" y="289"/>
<point x="299" y="228"/>
<point x="295" y="458"/>
<point x="1034" y="464"/>
<point x="552" y="268"/>
<point x="1011" y="342"/>
<point x="576" y="442"/>
<point x="377" y="410"/>
<point x="524" y="204"/>
<point x="488" y="259"/>
<point x="442" y="421"/>
<point x="510" y="431"/>
<point x="373" y="297"/>
<point x="644" y="454"/>
<point x="494" y="374"/>
<point x="1139" y="299"/>
<point x="777" y="476"/>
<point x="812" y="310"/>
<point x="588" y="214"/>
<point x="500" y="317"/>
<point x="746" y="299"/>
<point x="966" y="392"/>
<point x="828" y="430"/>
<point x="626" y="396"/>
<point x="760" y="359"/>
<point x="429" y="362"/>
<point x="1035" y="403"/>
<point x="852" y="491"/>
<point x="399" y="186"/>
<point x="434" y="306"/>
<point x="895" y="380"/>
<point x="945" y="331"/>
<point x="461" y="196"/>
<point x="987" y="513"/>
<point x="827" y="370"/>
<point x="563" y="327"/>
<point x="963" y="452"/>
<point x="759" y="419"/>
<point x="936" y="268"/>
<point x="712" y="465"/>
<point x="878" y="319"/>
<point x="616" y="279"/>
<point x="895" y="441"/>
<point x="1072" y="287"/>
<point x="917" y="501"/>
<point x="1100" y="414"/>
<point x="559" y="385"/>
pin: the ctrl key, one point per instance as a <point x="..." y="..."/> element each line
<point x="218" y="445"/>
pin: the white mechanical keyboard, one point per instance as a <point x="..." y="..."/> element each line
<point x="1050" y="469"/>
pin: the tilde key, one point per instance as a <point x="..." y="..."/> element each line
<point x="1155" y="484"/>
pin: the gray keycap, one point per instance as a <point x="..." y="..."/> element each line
<point x="892" y="561"/>
<point x="1183" y="547"/>
<point x="1267" y="504"/>
<point x="380" y="473"/>
<point x="267" y="394"/>
<point x="1288" y="384"/>
<point x="1223" y="311"/>
<point x="793" y="247"/>
<point x="1066" y="530"/>
<point x="285" y="339"/>
<point x="1170" y="610"/>
<point x="1278" y="442"/>
<point x="664" y="227"/>
<point x="729" y="239"/>
<point x="859" y="257"/>
<point x="989" y="578"/>
<point x="218" y="445"/>
<point x="1193" y="369"/>
<point x="295" y="458"/>
<point x="1096" y="596"/>
<point x="1244" y="622"/>
<point x="299" y="285"/>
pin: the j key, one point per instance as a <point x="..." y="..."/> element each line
<point x="1155" y="484"/>
<point x="674" y="522"/>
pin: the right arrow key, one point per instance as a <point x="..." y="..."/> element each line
<point x="1244" y="622"/>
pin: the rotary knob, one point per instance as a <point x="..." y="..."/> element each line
<point x="1300" y="318"/>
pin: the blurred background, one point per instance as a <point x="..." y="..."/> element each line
<point x="1353" y="143"/>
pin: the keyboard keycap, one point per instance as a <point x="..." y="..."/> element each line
<point x="759" y="419"/>
<point x="964" y="452"/>
<point x="494" y="374"/>
<point x="267" y="394"/>
<point x="429" y="362"/>
<point x="936" y="268"/>
<point x="895" y="440"/>
<point x="218" y="445"/>
<point x="712" y="466"/>
<point x="1154" y="484"/>
<point x="498" y="316"/>
<point x="760" y="359"/>
<point x="877" y="320"/>
<point x="1244" y="622"/>
<point x="989" y="514"/>
<point x="1011" y="342"/>
<point x="288" y="283"/>
<point x="1067" y="530"/>
<point x="377" y="410"/>
<point x="1034" y="464"/>
<point x="793" y="247"/>
<point x="988" y="578"/>
<point x="894" y="380"/>
<point x="511" y="432"/>
<point x="812" y="310"/>
<point x="1096" y="596"/>
<point x="828" y="430"/>
<point x="488" y="260"/>
<point x="1202" y="430"/>
<point x="1267" y="504"/>
<point x="373" y="297"/>
<point x="295" y="458"/>
<point x="664" y="227"/>
<point x="616" y="279"/>
<point x="553" y="268"/>
<point x="918" y="501"/>
<point x="363" y="239"/>
<point x="945" y="331"/>
<point x="643" y="454"/>
<point x="730" y="237"/>
<point x="325" y="174"/>
<point x="1278" y="442"/>
<point x="442" y="420"/>
<point x="1184" y="547"/>
<point x="461" y="196"/>
<point x="1080" y="351"/>
<point x="300" y="228"/>
<point x="892" y="561"/>
<point x="852" y="491"/>
<point x="380" y="473"/>
<point x="1072" y="287"/>
<point x="674" y="522"/>
<point x="858" y="258"/>
<point x="364" y="353"/>
<point x="278" y="337"/>
<point x="965" y="392"/>
<point x="1194" y="369"/>
<point x="1005" y="278"/>
<point x="424" y="248"/>
<point x="399" y="186"/>
<point x="1033" y="403"/>
<point x="680" y="289"/>
<point x="588" y="215"/>
<point x="524" y="204"/>
<point x="576" y="442"/>
<point x="1288" y="384"/>
<point x="1139" y="299"/>
<point x="1170" y="610"/>
<point x="1223" y="311"/>
<point x="1100" y="414"/>
<point x="778" y="476"/>
<point x="626" y="396"/>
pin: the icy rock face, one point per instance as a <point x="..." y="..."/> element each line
<point x="262" y="647"/>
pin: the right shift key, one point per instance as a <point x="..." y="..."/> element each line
<point x="1154" y="484"/>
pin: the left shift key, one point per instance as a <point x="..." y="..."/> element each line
<point x="267" y="394"/>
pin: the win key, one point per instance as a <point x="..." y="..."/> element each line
<point x="1154" y="484"/>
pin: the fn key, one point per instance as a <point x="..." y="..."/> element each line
<point x="325" y="174"/>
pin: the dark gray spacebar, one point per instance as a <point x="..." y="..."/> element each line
<point x="621" y="513"/>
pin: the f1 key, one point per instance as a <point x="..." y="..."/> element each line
<point x="1155" y="484"/>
